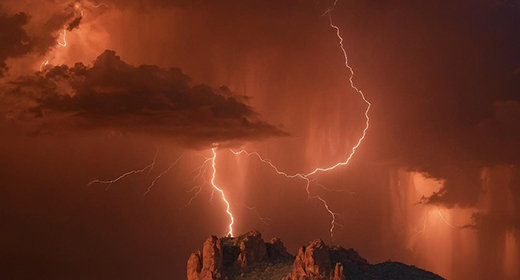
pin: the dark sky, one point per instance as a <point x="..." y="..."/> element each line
<point x="435" y="183"/>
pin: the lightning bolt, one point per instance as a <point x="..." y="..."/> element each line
<point x="305" y="176"/>
<point x="64" y="37"/>
<point x="417" y="235"/>
<point x="160" y="175"/>
<point x="202" y="170"/>
<point x="63" y="34"/>
<point x="199" y="189"/>
<point x="353" y="86"/>
<point x="290" y="176"/>
<point x="333" y="214"/>
<point x="136" y="171"/>
<point x="215" y="187"/>
<point x="264" y="220"/>
<point x="334" y="190"/>
<point x="62" y="44"/>
<point x="45" y="63"/>
<point x="446" y="221"/>
<point x="97" y="5"/>
<point x="211" y="197"/>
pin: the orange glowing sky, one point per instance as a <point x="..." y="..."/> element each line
<point x="135" y="129"/>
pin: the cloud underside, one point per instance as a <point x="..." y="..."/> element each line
<point x="145" y="99"/>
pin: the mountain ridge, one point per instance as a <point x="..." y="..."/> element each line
<point x="248" y="257"/>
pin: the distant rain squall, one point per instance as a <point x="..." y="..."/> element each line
<point x="134" y="129"/>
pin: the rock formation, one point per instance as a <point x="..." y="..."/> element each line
<point x="249" y="257"/>
<point x="276" y="251"/>
<point x="222" y="258"/>
<point x="252" y="250"/>
<point x="312" y="261"/>
<point x="209" y="264"/>
<point x="319" y="261"/>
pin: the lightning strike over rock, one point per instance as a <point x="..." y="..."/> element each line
<point x="215" y="187"/>
<point x="332" y="214"/>
<point x="303" y="176"/>
<point x="298" y="175"/>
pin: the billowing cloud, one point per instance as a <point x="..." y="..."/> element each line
<point x="115" y="95"/>
<point x="491" y="142"/>
<point x="14" y="40"/>
<point x="22" y="35"/>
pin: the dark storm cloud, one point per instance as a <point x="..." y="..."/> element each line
<point x="503" y="191"/>
<point x="497" y="221"/>
<point x="446" y="66"/>
<point x="491" y="142"/>
<point x="500" y="135"/>
<point x="14" y="40"/>
<point x="450" y="104"/>
<point x="48" y="34"/>
<point x="113" y="94"/>
<point x="74" y="23"/>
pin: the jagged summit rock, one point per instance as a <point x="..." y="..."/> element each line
<point x="229" y="257"/>
<point x="248" y="257"/>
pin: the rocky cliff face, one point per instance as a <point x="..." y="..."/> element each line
<point x="209" y="264"/>
<point x="224" y="258"/>
<point x="249" y="257"/>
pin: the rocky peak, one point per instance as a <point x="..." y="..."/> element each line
<point x="209" y="264"/>
<point x="276" y="251"/>
<point x="249" y="257"/>
<point x="312" y="261"/>
<point x="223" y="257"/>
<point x="252" y="250"/>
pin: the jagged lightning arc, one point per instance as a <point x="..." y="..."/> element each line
<point x="109" y="183"/>
<point x="214" y="174"/>
<point x="149" y="167"/>
<point x="160" y="175"/>
<point x="200" y="174"/>
<point x="303" y="176"/>
<point x="264" y="220"/>
<point x="97" y="5"/>
<point x="306" y="176"/>
<point x="300" y="176"/>
<point x="446" y="221"/>
<point x="64" y="38"/>
<point x="202" y="170"/>
<point x="45" y="63"/>
<point x="63" y="34"/>
<point x="61" y="44"/>
<point x="353" y="86"/>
